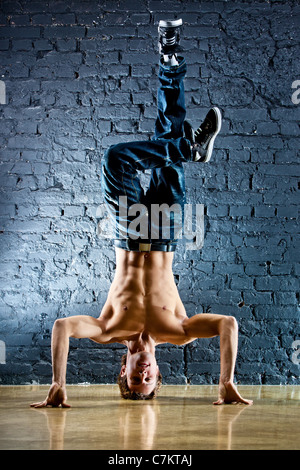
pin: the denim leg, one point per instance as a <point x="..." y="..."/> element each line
<point x="166" y="192"/>
<point x="163" y="155"/>
<point x="120" y="177"/>
<point x="122" y="161"/>
<point x="171" y="109"/>
<point x="167" y="184"/>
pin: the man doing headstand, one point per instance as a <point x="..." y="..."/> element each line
<point x="143" y="308"/>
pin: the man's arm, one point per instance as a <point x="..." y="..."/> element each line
<point x="80" y="326"/>
<point x="210" y="325"/>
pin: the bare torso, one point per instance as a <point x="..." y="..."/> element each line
<point x="143" y="299"/>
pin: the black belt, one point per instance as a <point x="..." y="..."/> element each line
<point x="132" y="245"/>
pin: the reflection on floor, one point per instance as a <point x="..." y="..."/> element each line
<point x="181" y="418"/>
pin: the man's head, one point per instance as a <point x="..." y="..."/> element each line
<point x="139" y="378"/>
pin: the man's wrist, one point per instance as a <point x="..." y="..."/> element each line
<point x="59" y="383"/>
<point x="225" y="380"/>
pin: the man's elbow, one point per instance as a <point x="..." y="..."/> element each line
<point x="61" y="326"/>
<point x="229" y="324"/>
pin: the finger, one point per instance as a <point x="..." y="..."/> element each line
<point x="219" y="402"/>
<point x="247" y="402"/>
<point x="65" y="405"/>
<point x="38" y="405"/>
<point x="242" y="400"/>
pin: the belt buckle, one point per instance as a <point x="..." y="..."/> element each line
<point x="144" y="246"/>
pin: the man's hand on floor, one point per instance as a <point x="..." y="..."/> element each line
<point x="57" y="396"/>
<point x="228" y="394"/>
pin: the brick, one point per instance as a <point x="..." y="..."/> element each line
<point x="240" y="211"/>
<point x="290" y="212"/>
<point x="4" y="44"/>
<point x="42" y="19"/>
<point x="58" y="31"/>
<point x="20" y="32"/>
<point x="265" y="211"/>
<point x="63" y="18"/>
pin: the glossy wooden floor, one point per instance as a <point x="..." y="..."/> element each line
<point x="181" y="418"/>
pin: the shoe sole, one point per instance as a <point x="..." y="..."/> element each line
<point x="211" y="143"/>
<point x="170" y="23"/>
<point x="165" y="25"/>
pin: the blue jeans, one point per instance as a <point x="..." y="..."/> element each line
<point x="163" y="154"/>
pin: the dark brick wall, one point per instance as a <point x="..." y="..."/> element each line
<point x="80" y="76"/>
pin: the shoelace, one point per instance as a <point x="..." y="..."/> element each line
<point x="207" y="126"/>
<point x="203" y="138"/>
<point x="170" y="41"/>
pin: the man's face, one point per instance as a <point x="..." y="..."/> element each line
<point x="141" y="370"/>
